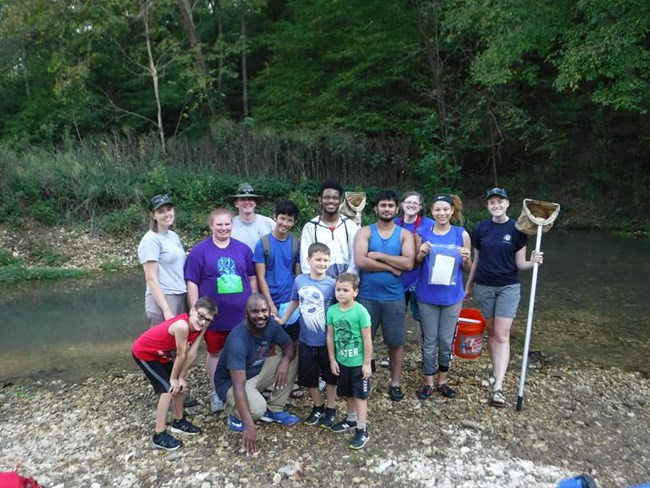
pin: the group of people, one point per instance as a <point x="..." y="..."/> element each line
<point x="272" y="308"/>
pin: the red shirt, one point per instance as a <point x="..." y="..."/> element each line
<point x="157" y="344"/>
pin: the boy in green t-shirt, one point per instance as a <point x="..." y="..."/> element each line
<point x="349" y="345"/>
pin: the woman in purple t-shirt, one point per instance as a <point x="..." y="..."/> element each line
<point x="221" y="268"/>
<point x="443" y="253"/>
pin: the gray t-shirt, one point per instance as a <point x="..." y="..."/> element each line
<point x="165" y="248"/>
<point x="251" y="232"/>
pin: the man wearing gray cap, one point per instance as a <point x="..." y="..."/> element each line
<point x="248" y="227"/>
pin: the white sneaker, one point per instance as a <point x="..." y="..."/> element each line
<point x="216" y="405"/>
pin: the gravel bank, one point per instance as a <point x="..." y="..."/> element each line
<point x="574" y="420"/>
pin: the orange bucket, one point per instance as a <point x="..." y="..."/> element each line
<point x="468" y="343"/>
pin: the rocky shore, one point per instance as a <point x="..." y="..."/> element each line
<point x="98" y="433"/>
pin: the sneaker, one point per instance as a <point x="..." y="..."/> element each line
<point x="360" y="439"/>
<point x="216" y="405"/>
<point x="184" y="426"/>
<point x="315" y="416"/>
<point x="426" y="392"/>
<point x="395" y="393"/>
<point x="328" y="419"/>
<point x="166" y="441"/>
<point x="344" y="425"/>
<point x="281" y="417"/>
<point x="447" y="390"/>
<point x="385" y="362"/>
<point x="189" y="402"/>
<point x="322" y="386"/>
<point x="235" y="424"/>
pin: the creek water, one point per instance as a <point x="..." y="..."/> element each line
<point x="591" y="306"/>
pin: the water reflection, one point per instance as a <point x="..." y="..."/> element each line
<point x="591" y="306"/>
<point x="70" y="329"/>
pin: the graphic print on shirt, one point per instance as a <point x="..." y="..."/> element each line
<point x="346" y="344"/>
<point x="261" y="352"/>
<point x="312" y="307"/>
<point x="229" y="281"/>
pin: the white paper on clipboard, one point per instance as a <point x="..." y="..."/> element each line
<point x="442" y="270"/>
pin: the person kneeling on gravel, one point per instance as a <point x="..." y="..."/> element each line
<point x="165" y="354"/>
<point x="245" y="370"/>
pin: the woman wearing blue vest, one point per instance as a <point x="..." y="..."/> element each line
<point x="443" y="253"/>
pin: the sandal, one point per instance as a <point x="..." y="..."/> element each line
<point x="297" y="392"/>
<point x="497" y="399"/>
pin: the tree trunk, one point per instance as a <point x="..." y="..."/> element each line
<point x="190" y="29"/>
<point x="153" y="71"/>
<point x="244" y="70"/>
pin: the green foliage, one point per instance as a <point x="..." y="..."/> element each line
<point x="121" y="221"/>
<point x="606" y="48"/>
<point x="45" y="213"/>
<point x="17" y="274"/>
<point x="307" y="205"/>
<point x="436" y="168"/>
<point x="45" y="254"/>
<point x="8" y="259"/>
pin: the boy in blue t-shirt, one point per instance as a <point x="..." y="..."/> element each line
<point x="277" y="262"/>
<point x="312" y="294"/>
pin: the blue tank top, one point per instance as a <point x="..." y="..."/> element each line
<point x="382" y="285"/>
<point x="441" y="288"/>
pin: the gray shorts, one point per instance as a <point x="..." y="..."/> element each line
<point x="498" y="301"/>
<point x="392" y="318"/>
<point x="177" y="304"/>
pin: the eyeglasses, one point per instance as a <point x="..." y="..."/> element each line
<point x="202" y="318"/>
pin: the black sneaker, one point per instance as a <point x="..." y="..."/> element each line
<point x="315" y="416"/>
<point x="343" y="426"/>
<point x="426" y="392"/>
<point x="328" y="419"/>
<point x="189" y="402"/>
<point x="164" y="440"/>
<point x="184" y="426"/>
<point x="360" y="439"/>
<point x="446" y="390"/>
<point x="395" y="393"/>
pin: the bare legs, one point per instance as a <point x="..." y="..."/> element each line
<point x="211" y="366"/>
<point x="498" y="330"/>
<point x="163" y="406"/>
<point x="318" y="398"/>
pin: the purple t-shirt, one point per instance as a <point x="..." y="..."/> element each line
<point x="410" y="278"/>
<point x="223" y="275"/>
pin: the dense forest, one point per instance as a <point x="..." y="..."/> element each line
<point x="533" y="94"/>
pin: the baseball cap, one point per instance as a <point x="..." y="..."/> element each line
<point x="160" y="200"/>
<point x="497" y="191"/>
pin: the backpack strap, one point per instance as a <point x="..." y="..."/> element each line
<point x="266" y="248"/>
<point x="295" y="247"/>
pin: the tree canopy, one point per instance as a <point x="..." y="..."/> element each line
<point x="486" y="86"/>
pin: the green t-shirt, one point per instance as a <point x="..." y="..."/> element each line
<point x="348" y="341"/>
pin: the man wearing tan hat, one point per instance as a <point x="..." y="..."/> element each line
<point x="248" y="227"/>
